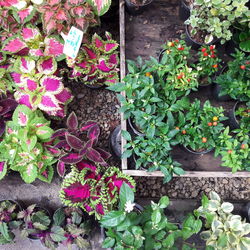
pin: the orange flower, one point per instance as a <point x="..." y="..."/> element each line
<point x="215" y="66"/>
<point x="243" y="67"/>
<point x="148" y="74"/>
<point x="204" y="139"/>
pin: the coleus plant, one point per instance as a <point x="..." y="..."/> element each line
<point x="97" y="62"/>
<point x="93" y="188"/>
<point x="100" y="6"/>
<point x="71" y="149"/>
<point x="38" y="88"/>
<point x="8" y="221"/>
<point x="7" y="106"/>
<point x="58" y="16"/>
<point x="22" y="148"/>
<point x="36" y="220"/>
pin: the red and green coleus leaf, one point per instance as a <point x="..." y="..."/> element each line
<point x="104" y="154"/>
<point x="77" y="192"/>
<point x="29" y="172"/>
<point x="95" y="156"/>
<point x="86" y="146"/>
<point x="54" y="47"/>
<point x="71" y="158"/>
<point x="22" y="115"/>
<point x="3" y="169"/>
<point x="25" y="15"/>
<point x="87" y="125"/>
<point x="59" y="133"/>
<point x="61" y="168"/>
<point x="47" y="65"/>
<point x="53" y="85"/>
<point x="64" y="96"/>
<point x="46" y="175"/>
<point x="23" y="99"/>
<point x="30" y="34"/>
<point x="13" y="45"/>
<point x="44" y="133"/>
<point x="100" y="6"/>
<point x="94" y="133"/>
<point x="2" y="57"/>
<point x="29" y="143"/>
<point x="49" y="103"/>
<point x="72" y="122"/>
<point x="86" y="164"/>
<point x="54" y="151"/>
<point x="74" y="142"/>
<point x="26" y="65"/>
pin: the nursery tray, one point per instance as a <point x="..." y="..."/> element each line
<point x="144" y="36"/>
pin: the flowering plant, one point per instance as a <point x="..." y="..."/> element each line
<point x="242" y="114"/>
<point x="235" y="81"/>
<point x="224" y="229"/>
<point x="202" y="126"/>
<point x="93" y="188"/>
<point x="8" y="221"/>
<point x="22" y="147"/>
<point x="207" y="65"/>
<point x="147" y="229"/>
<point x="97" y="62"/>
<point x="71" y="149"/>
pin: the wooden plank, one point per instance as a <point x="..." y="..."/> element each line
<point x="122" y="69"/>
<point x="197" y="174"/>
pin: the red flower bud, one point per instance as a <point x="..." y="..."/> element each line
<point x="205" y="54"/>
<point x="243" y="67"/>
<point x="203" y="50"/>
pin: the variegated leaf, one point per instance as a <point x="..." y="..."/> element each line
<point x="52" y="85"/>
<point x="100" y="6"/>
<point x="3" y="169"/>
<point x="13" y="45"/>
<point x="47" y="65"/>
<point x="54" y="47"/>
<point x="21" y="115"/>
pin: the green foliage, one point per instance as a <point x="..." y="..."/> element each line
<point x="216" y="17"/>
<point x="147" y="229"/>
<point x="235" y="80"/>
<point x="22" y="147"/>
<point x="224" y="229"/>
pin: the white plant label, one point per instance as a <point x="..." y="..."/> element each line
<point x="72" y="42"/>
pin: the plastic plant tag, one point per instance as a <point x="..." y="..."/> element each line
<point x="72" y="42"/>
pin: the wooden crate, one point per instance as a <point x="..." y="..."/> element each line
<point x="228" y="174"/>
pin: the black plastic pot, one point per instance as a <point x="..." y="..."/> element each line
<point x="247" y="209"/>
<point x="161" y="55"/>
<point x="94" y="86"/>
<point x="134" y="10"/>
<point x="115" y="142"/>
<point x="233" y="122"/>
<point x="195" y="45"/>
<point x="197" y="152"/>
<point x="208" y="84"/>
<point x="217" y="90"/>
<point x="112" y="12"/>
<point x="133" y="127"/>
<point x="230" y="47"/>
<point x="184" y="10"/>
<point x="134" y="158"/>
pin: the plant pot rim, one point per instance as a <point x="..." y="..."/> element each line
<point x="132" y="4"/>
<point x="200" y="44"/>
<point x="196" y="152"/>
<point x="131" y="124"/>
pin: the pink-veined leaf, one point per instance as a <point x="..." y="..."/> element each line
<point x="16" y="77"/>
<point x="85" y="164"/>
<point x="22" y="118"/>
<point x="94" y="155"/>
<point x="100" y="6"/>
<point x="53" y="47"/>
<point x="23" y="99"/>
<point x="31" y="85"/>
<point x="64" y="96"/>
<point x="86" y="146"/>
<point x="103" y="66"/>
<point x="13" y="45"/>
<point x="29" y="33"/>
<point x="26" y="14"/>
<point x="36" y="52"/>
<point x="74" y="142"/>
<point x="91" y="54"/>
<point x="104" y="154"/>
<point x="63" y="144"/>
<point x="3" y="169"/>
<point x="77" y="192"/>
<point x="53" y="150"/>
<point x="48" y="103"/>
<point x="60" y="168"/>
<point x="72" y="122"/>
<point x="47" y="65"/>
<point x="27" y="65"/>
<point x="87" y="125"/>
<point x="94" y="133"/>
<point x="58" y="133"/>
<point x="52" y="84"/>
<point x="111" y="46"/>
<point x="71" y="158"/>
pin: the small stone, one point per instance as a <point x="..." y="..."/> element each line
<point x="225" y="181"/>
<point x="79" y="96"/>
<point x="207" y="190"/>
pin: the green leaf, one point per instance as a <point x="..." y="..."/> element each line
<point x="222" y="240"/>
<point x="227" y="207"/>
<point x="127" y="153"/>
<point x="136" y="230"/>
<point x="178" y="171"/>
<point x="44" y="133"/>
<point x="169" y="241"/>
<point x="59" y="217"/>
<point x="128" y="238"/>
<point x="126" y="135"/>
<point x="156" y="216"/>
<point x="170" y="120"/>
<point x="164" y="202"/>
<point x="41" y="217"/>
<point x="112" y="219"/>
<point x="108" y="242"/>
<point x="76" y="218"/>
<point x="57" y="234"/>
<point x="126" y="194"/>
<point x="29" y="173"/>
<point x="5" y="232"/>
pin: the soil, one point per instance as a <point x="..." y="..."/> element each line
<point x="199" y="36"/>
<point x="140" y="2"/>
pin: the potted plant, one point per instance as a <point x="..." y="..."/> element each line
<point x="224" y="230"/>
<point x="127" y="227"/>
<point x="136" y="7"/>
<point x="36" y="221"/>
<point x="93" y="188"/>
<point x="202" y="127"/>
<point x="96" y="64"/>
<point x="239" y="116"/>
<point x="234" y="150"/>
<point x="69" y="228"/>
<point x="22" y="146"/>
<point x="8" y="220"/>
<point x="184" y="9"/>
<point x="207" y="65"/>
<point x="211" y="20"/>
<point x="234" y="79"/>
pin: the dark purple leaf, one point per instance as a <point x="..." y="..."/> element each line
<point x="77" y="192"/>
<point x="2" y="127"/>
<point x="74" y="142"/>
<point x="85" y="164"/>
<point x="87" y="125"/>
<point x="87" y="145"/>
<point x="94" y="133"/>
<point x="62" y="144"/>
<point x="54" y="151"/>
<point x="72" y="122"/>
<point x="59" y="132"/>
<point x="60" y="168"/>
<point x="7" y="105"/>
<point x="94" y="156"/>
<point x="104" y="154"/>
<point x="71" y="158"/>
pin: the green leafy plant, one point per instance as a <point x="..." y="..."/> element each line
<point x="36" y="220"/>
<point x="97" y="62"/>
<point x="235" y="81"/>
<point x="224" y="229"/>
<point x="127" y="228"/>
<point x="202" y="126"/>
<point x="242" y="115"/>
<point x="208" y="64"/>
<point x="8" y="221"/>
<point x="23" y="149"/>
<point x="93" y="188"/>
<point x="213" y="19"/>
